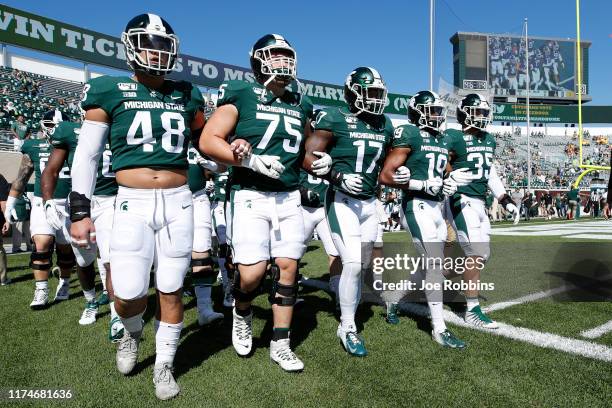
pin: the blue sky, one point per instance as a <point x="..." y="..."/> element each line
<point x="333" y="37"/>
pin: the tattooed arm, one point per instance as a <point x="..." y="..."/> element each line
<point x="25" y="171"/>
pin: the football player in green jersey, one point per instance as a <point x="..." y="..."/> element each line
<point x="420" y="149"/>
<point x="312" y="192"/>
<point x="356" y="137"/>
<point x="473" y="149"/>
<point x="63" y="136"/>
<point x="264" y="216"/>
<point x="148" y="121"/>
<point x="224" y="255"/>
<point x="203" y="273"/>
<point x="36" y="153"/>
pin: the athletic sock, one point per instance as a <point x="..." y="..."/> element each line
<point x="437" y="320"/>
<point x="42" y="284"/>
<point x="472" y="302"/>
<point x="133" y="324"/>
<point x="203" y="298"/>
<point x="113" y="312"/>
<point x="90" y="295"/>
<point x="166" y="341"/>
<point x="280" y="333"/>
<point x="349" y="290"/>
<point x="243" y="313"/>
<point x="102" y="272"/>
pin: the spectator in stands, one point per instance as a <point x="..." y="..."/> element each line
<point x="4" y="190"/>
<point x="20" y="132"/>
<point x="10" y="108"/>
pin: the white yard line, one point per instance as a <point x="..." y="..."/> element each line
<point x="540" y="339"/>
<point x="532" y="297"/>
<point x="597" y="331"/>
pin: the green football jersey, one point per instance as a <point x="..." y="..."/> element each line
<point x="148" y="128"/>
<point x="23" y="207"/>
<point x="66" y="136"/>
<point x="195" y="175"/>
<point x="273" y="126"/>
<point x="317" y="186"/>
<point x="357" y="147"/>
<point x="39" y="150"/>
<point x="476" y="154"/>
<point x="427" y="159"/>
<point x="220" y="180"/>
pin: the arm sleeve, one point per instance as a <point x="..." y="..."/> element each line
<point x="85" y="164"/>
<point x="495" y="183"/>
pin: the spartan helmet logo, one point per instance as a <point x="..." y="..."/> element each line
<point x="123" y="206"/>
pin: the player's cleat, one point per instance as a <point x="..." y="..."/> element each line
<point x="127" y="352"/>
<point x="55" y="271"/>
<point x="41" y="299"/>
<point x="242" y="333"/>
<point x="103" y="299"/>
<point x="89" y="314"/>
<point x="62" y="292"/>
<point x="352" y="342"/>
<point x="476" y="317"/>
<point x="448" y="339"/>
<point x="228" y="298"/>
<point x="208" y="317"/>
<point x="165" y="385"/>
<point x="281" y="354"/>
<point x="392" y="317"/>
<point x="115" y="330"/>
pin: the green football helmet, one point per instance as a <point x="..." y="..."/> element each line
<point x="365" y="91"/>
<point x="474" y="112"/>
<point x="273" y="57"/>
<point x="153" y="35"/>
<point x="426" y="110"/>
<point x="50" y="120"/>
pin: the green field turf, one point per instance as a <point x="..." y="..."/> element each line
<point x="48" y="349"/>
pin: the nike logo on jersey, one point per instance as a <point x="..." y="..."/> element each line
<point x="185" y="206"/>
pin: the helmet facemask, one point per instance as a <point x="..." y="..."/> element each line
<point x="431" y="115"/>
<point x="48" y="128"/>
<point x="160" y="50"/>
<point x="477" y="117"/>
<point x="371" y="98"/>
<point x="277" y="61"/>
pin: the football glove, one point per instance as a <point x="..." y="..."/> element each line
<point x="351" y="183"/>
<point x="449" y="186"/>
<point x="54" y="216"/>
<point x="462" y="177"/>
<point x="210" y="187"/>
<point x="431" y="187"/>
<point x="509" y="205"/>
<point x="401" y="175"/>
<point x="267" y="165"/>
<point x="10" y="214"/>
<point x="321" y="166"/>
<point x="207" y="164"/>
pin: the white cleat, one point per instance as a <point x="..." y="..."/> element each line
<point x="476" y="317"/>
<point x="208" y="316"/>
<point x="242" y="333"/>
<point x="62" y="292"/>
<point x="127" y="352"/>
<point x="41" y="299"/>
<point x="281" y="354"/>
<point x="89" y="314"/>
<point x="165" y="385"/>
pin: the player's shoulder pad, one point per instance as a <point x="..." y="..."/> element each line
<point x="65" y="134"/>
<point x="97" y="91"/>
<point x="230" y="91"/>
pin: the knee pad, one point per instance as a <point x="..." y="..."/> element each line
<point x="43" y="257"/>
<point x="288" y="292"/>
<point x="241" y="295"/>
<point x="206" y="275"/>
<point x="66" y="260"/>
